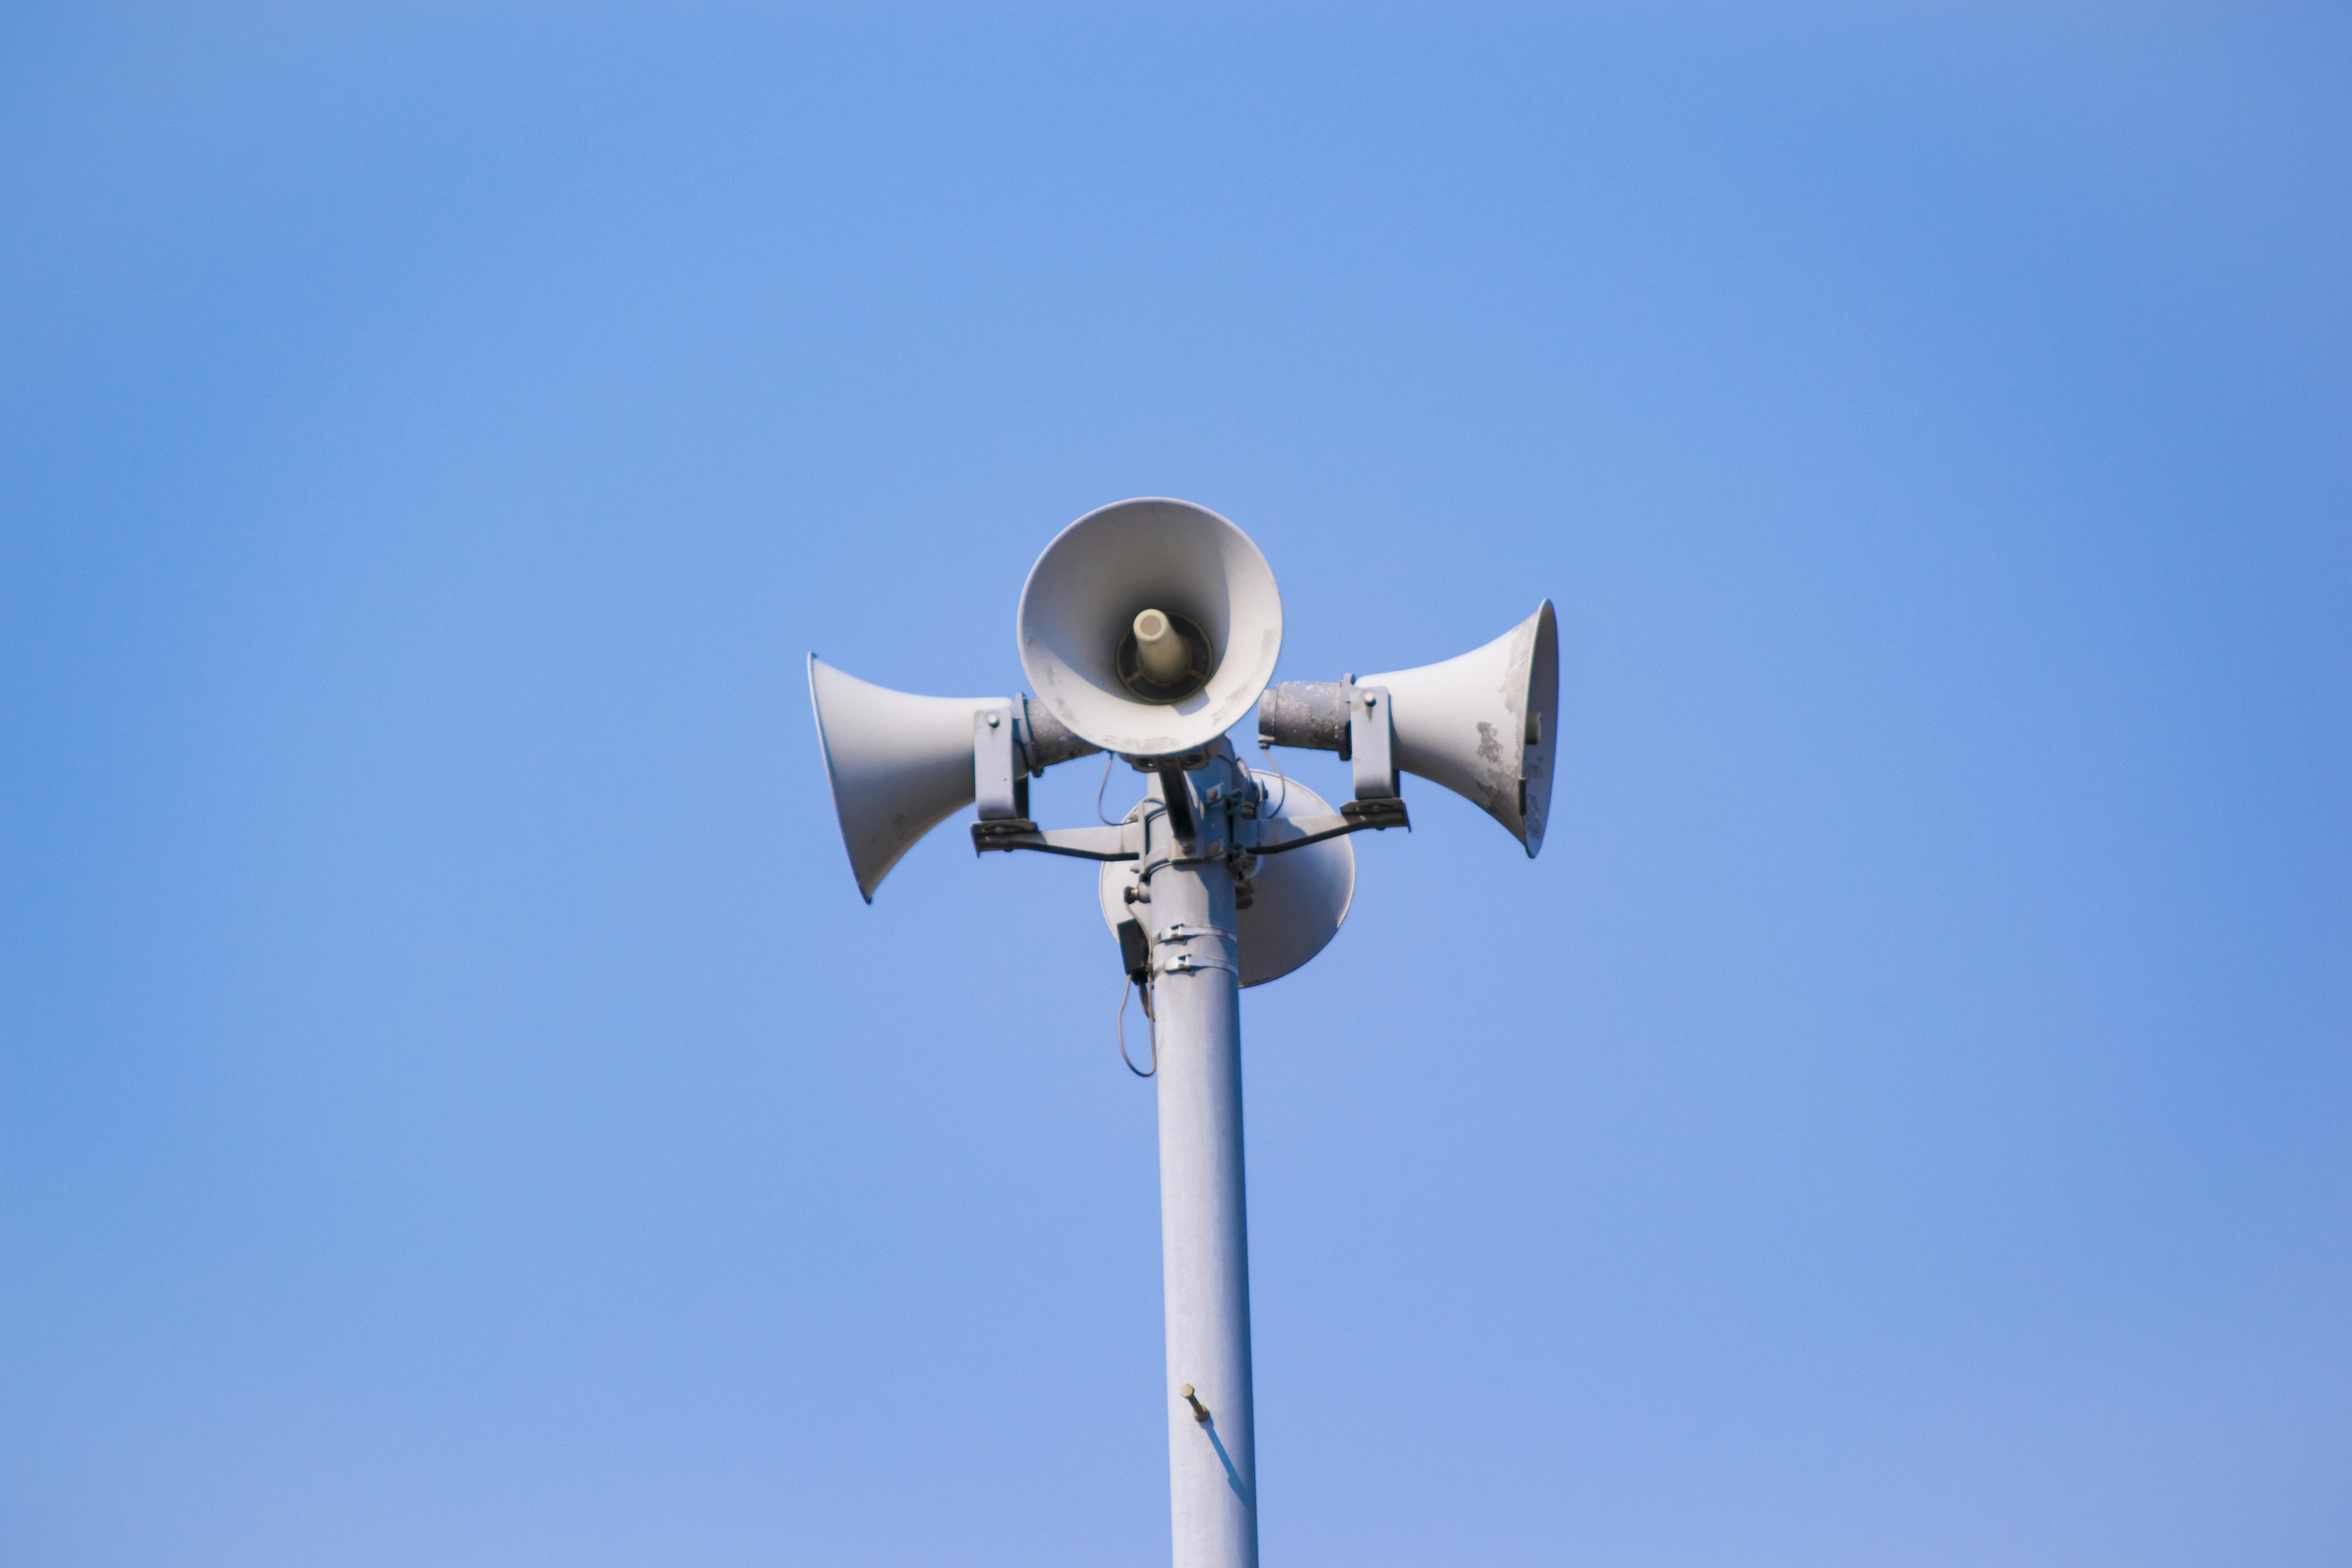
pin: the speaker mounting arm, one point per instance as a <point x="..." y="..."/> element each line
<point x="1336" y="716"/>
<point x="1254" y="830"/>
<point x="1045" y="740"/>
<point x="1371" y="743"/>
<point x="1013" y="742"/>
<point x="1273" y="835"/>
<point x="1078" y="843"/>
<point x="1311" y="715"/>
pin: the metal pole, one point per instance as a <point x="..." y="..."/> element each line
<point x="1204" y="1227"/>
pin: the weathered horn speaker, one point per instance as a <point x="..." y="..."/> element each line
<point x="1484" y="724"/>
<point x="900" y="765"/>
<point x="1150" y="627"/>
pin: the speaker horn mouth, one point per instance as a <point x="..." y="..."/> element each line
<point x="1121" y="573"/>
<point x="1197" y="670"/>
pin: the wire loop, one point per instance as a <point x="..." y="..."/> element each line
<point x="1109" y="758"/>
<point x="1123" y="990"/>
<point x="1275" y="809"/>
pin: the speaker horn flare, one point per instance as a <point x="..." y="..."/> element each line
<point x="1485" y="724"/>
<point x="900" y="765"/>
<point x="1150" y="627"/>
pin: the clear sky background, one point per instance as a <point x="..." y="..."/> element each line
<point x="455" y="1110"/>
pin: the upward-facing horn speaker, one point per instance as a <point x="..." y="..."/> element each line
<point x="1150" y="627"/>
<point x="1485" y="724"/>
<point x="900" y="765"/>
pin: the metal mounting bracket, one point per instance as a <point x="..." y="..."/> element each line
<point x="1000" y="777"/>
<point x="1372" y="742"/>
<point x="1078" y="843"/>
<point x="1273" y="835"/>
<point x="1192" y="962"/>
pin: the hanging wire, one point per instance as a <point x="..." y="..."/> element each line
<point x="1123" y="990"/>
<point x="1109" y="758"/>
<point x="1267" y="753"/>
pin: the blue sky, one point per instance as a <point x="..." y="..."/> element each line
<point x="454" y="1109"/>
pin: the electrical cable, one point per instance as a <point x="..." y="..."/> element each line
<point x="1275" y="809"/>
<point x="1109" y="758"/>
<point x="1123" y="990"/>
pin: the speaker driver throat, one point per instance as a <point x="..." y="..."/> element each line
<point x="1196" y="674"/>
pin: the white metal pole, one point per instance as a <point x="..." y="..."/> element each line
<point x="1203" y="1227"/>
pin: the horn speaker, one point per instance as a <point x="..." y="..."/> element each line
<point x="900" y="765"/>
<point x="1485" y="724"/>
<point x="1150" y="627"/>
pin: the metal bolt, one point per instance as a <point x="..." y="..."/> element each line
<point x="994" y="720"/>
<point x="1200" y="1411"/>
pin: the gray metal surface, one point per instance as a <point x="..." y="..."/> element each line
<point x="1308" y="714"/>
<point x="1372" y="742"/>
<point x="1297" y="900"/>
<point x="1045" y="740"/>
<point x="1203" y="1219"/>
<point x="995" y="771"/>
